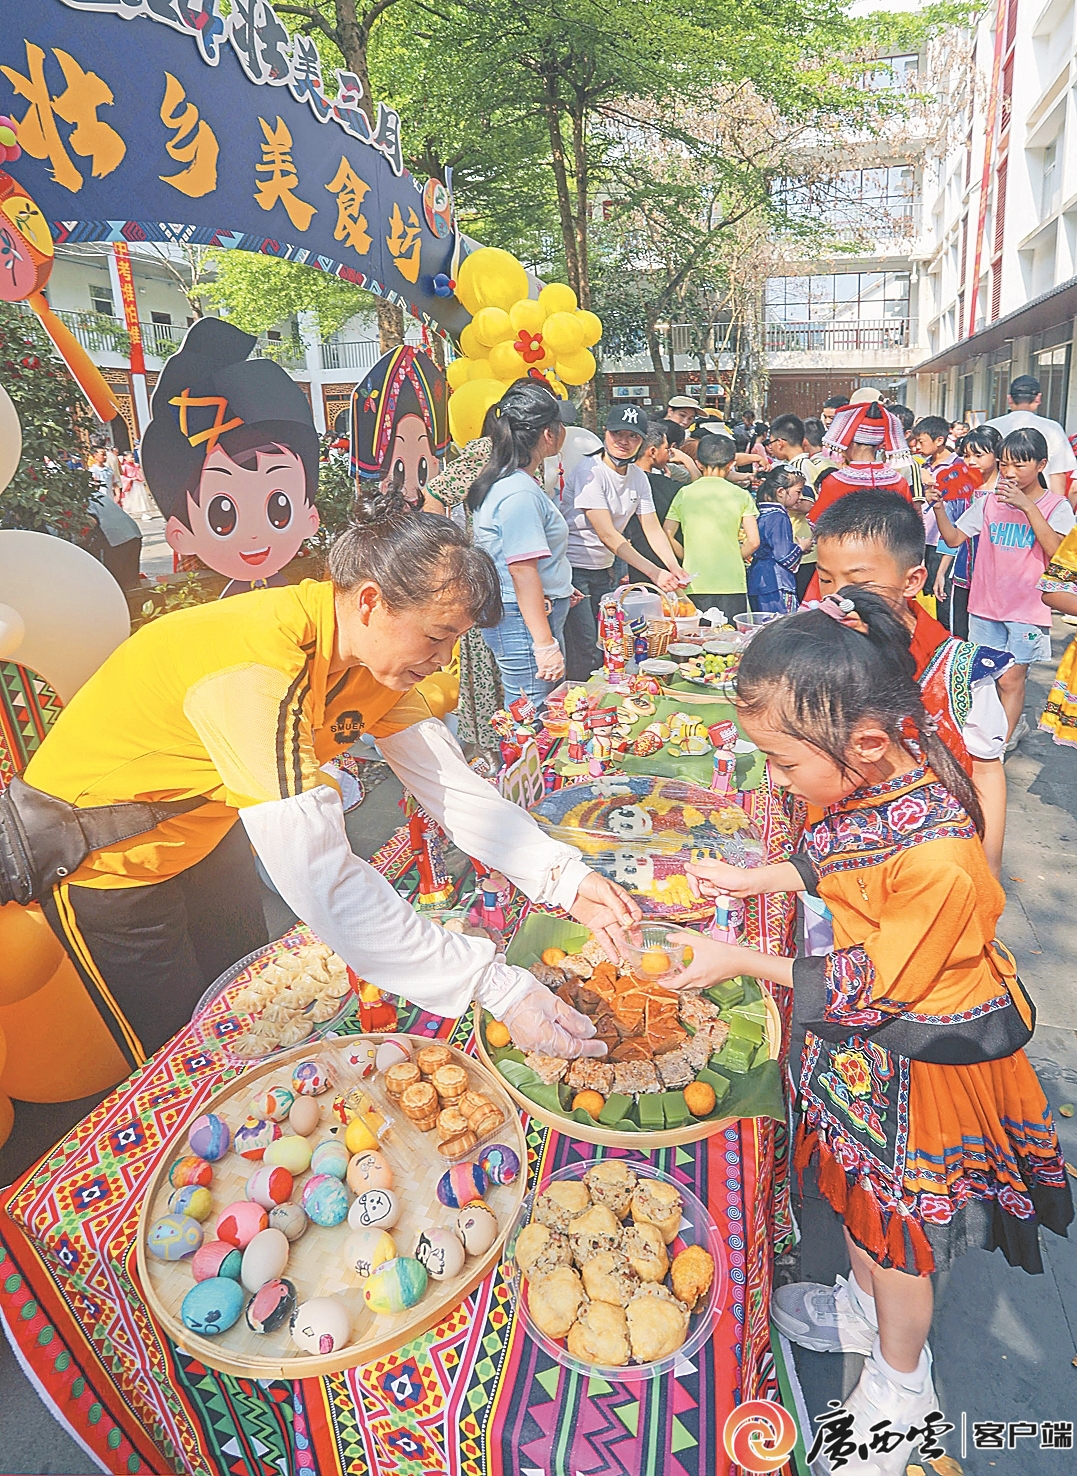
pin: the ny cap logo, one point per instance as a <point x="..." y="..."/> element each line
<point x="630" y="415"/>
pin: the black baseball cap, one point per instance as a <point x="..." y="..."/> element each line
<point x="627" y="418"/>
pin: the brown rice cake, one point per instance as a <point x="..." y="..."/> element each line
<point x="611" y="1183"/>
<point x="675" y="1070"/>
<point x="586" y="1075"/>
<point x="633" y="1077"/>
<point x="597" y="1229"/>
<point x="694" y="1010"/>
<point x="549" y="1069"/>
<point x="562" y="1202"/>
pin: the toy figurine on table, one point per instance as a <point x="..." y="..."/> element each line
<point x="435" y="884"/>
<point x="376" y="1013"/>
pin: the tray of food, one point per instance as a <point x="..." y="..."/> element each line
<point x="618" y="1270"/>
<point x="323" y="1210"/>
<point x="679" y="1066"/>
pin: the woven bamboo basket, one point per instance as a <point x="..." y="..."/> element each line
<point x="316" y="1264"/>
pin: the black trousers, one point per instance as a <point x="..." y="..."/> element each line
<point x="147" y="954"/>
<point x="583" y="654"/>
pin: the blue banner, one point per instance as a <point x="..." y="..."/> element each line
<point x="165" y="120"/>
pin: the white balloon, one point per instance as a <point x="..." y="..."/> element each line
<point x="73" y="610"/>
<point x="578" y="442"/>
<point x="10" y="439"/>
<point x="12" y="630"/>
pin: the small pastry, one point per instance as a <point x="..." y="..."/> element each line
<point x="399" y="1077"/>
<point x="539" y="1249"/>
<point x="691" y="1275"/>
<point x="562" y="1202"/>
<point x="610" y="1277"/>
<point x="658" y="1204"/>
<point x="487" y="1121"/>
<point x="598" y="1229"/>
<point x="600" y="1335"/>
<point x="450" y="1083"/>
<point x="611" y="1183"/>
<point x="454" y="1147"/>
<point x="554" y="1301"/>
<point x="472" y="1102"/>
<point x="586" y="1075"/>
<point x="549" y="1069"/>
<point x="451" y="1124"/>
<point x="420" y="1101"/>
<point x="657" y="1323"/>
<point x="431" y="1058"/>
<point x="645" y="1248"/>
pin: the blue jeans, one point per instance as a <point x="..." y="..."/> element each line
<point x="510" y="645"/>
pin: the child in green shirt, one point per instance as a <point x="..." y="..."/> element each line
<point x="719" y="530"/>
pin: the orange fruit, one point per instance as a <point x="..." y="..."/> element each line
<point x="699" y="1098"/>
<point x="655" y="961"/>
<point x="591" y="1102"/>
<point x="687" y="957"/>
<point x="497" y="1034"/>
<point x="553" y="956"/>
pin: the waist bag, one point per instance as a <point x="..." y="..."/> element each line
<point x="44" y="839"/>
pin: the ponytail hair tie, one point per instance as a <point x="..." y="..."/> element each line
<point x="834" y="606"/>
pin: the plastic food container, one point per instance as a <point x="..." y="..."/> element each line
<point x="754" y="621"/>
<point x="646" y="945"/>
<point x="658" y="666"/>
<point x="687" y="624"/>
<point x="696" y="1228"/>
<point x="724" y="645"/>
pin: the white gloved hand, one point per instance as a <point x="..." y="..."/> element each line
<point x="549" y="662"/>
<point x="542" y="1022"/>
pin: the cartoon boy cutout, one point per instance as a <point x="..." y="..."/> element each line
<point x="231" y="456"/>
<point x="399" y="423"/>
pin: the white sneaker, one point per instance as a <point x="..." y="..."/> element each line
<point x="873" y="1403"/>
<point x="822" y="1318"/>
<point x="1021" y="731"/>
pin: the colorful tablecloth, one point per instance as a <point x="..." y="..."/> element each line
<point x="473" y="1396"/>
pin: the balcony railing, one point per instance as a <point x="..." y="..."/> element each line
<point x="807" y="338"/>
<point x="363" y="354"/>
<point x="100" y="334"/>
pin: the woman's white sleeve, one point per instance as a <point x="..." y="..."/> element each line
<point x="427" y="760"/>
<point x="302" y="844"/>
<point x="986" y="727"/>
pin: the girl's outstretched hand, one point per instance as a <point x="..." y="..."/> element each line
<point x="711" y="962"/>
<point x="719" y="879"/>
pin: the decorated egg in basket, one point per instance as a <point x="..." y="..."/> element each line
<point x="275" y="1104"/>
<point x="325" y="1200"/>
<point x="310" y="1079"/>
<point x="209" y="1137"/>
<point x="271" y="1306"/>
<point x="190" y="1170"/>
<point x="211" y="1307"/>
<point x="395" y="1285"/>
<point x="366" y="1249"/>
<point x="174" y="1236"/>
<point x="321" y="1325"/>
<point x="376" y="1207"/>
<point x="461" y="1184"/>
<point x="255" y="1136"/>
<point x="441" y="1253"/>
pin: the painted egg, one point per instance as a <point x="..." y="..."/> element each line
<point x="289" y="1218"/>
<point x="255" y="1136"/>
<point x="500" y="1164"/>
<point x="270" y="1186"/>
<point x="358" y="1137"/>
<point x="304" y="1116"/>
<point x="379" y="1207"/>
<point x="461" y="1184"/>
<point x="369" y="1171"/>
<point x="216" y="1258"/>
<point x="310" y="1078"/>
<point x="325" y="1200"/>
<point x="271" y="1306"/>
<point x="264" y="1259"/>
<point x="275" y="1104"/>
<point x="391" y="1052"/>
<point x="241" y="1222"/>
<point x="209" y="1137"/>
<point x="395" y="1286"/>
<point x="366" y="1249"/>
<point x="476" y="1225"/>
<point x="190" y="1170"/>
<point x="174" y="1236"/>
<point x="211" y="1307"/>
<point x="191" y="1200"/>
<point x="321" y="1325"/>
<point x="441" y="1253"/>
<point x="330" y="1158"/>
<point x="340" y="1109"/>
<point x="292" y="1153"/>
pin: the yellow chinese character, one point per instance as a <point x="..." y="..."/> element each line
<point x="405" y="242"/>
<point x="198" y="153"/>
<point x="350" y="191"/>
<point x="77" y="104"/>
<point x="277" y="162"/>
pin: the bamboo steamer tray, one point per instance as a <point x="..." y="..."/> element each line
<point x="642" y="1142"/>
<point x="316" y="1263"/>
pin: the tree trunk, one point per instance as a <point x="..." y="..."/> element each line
<point x="655" y="346"/>
<point x="351" y="37"/>
<point x="551" y="107"/>
<point x="437" y="349"/>
<point x="579" y="155"/>
<point x="390" y="325"/>
<point x="589" y="405"/>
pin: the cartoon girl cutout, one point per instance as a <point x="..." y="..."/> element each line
<point x="399" y="423"/>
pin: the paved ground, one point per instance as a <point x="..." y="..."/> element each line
<point x="1003" y="1341"/>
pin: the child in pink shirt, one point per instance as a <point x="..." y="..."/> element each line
<point x="1020" y="525"/>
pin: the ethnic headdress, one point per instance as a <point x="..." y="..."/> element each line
<point x="403" y="382"/>
<point x="868" y="425"/>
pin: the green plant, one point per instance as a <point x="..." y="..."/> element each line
<point x="165" y="597"/>
<point x="336" y="499"/>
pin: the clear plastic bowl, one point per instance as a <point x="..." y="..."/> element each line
<point x="753" y="622"/>
<point x="696" y="1228"/>
<point x="686" y="624"/>
<point x="646" y="938"/>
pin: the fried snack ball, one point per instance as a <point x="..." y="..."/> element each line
<point x="555" y="1300"/>
<point x="497" y="1035"/>
<point x="699" y="1098"/>
<point x="691" y="1275"/>
<point x="591" y="1102"/>
<point x="554" y="956"/>
<point x="600" y="1335"/>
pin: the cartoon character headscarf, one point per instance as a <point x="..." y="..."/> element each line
<point x="399" y="422"/>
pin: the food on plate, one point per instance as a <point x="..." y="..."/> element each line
<point x="600" y="1335"/>
<point x="645" y="1248"/>
<point x="554" y="1300"/>
<point x="451" y="1124"/>
<point x="549" y="1069"/>
<point x="420" y="1104"/>
<point x="539" y="1249"/>
<point x="699" y="1098"/>
<point x="293" y="990"/>
<point x="450" y="1083"/>
<point x="674" y="1069"/>
<point x="497" y="1034"/>
<point x="597" y="1229"/>
<point x="657" y="1323"/>
<point x="590" y="1102"/>
<point x="458" y="1144"/>
<point x="635" y="1077"/>
<point x="609" y="1276"/>
<point x="612" y="1183"/>
<point x="587" y="1075"/>
<point x="656" y="1203"/>
<point x="553" y="956"/>
<point x="691" y="1274"/>
<point x="561" y="1203"/>
<point x="483" y="1116"/>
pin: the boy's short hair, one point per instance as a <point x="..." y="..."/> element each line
<point x="788" y="428"/>
<point x="715" y="450"/>
<point x="835" y="402"/>
<point x="934" y="426"/>
<point x="1024" y="389"/>
<point x="675" y="434"/>
<point x="814" y="431"/>
<point x="877" y="517"/>
<point x="655" y="434"/>
<point x="905" y="415"/>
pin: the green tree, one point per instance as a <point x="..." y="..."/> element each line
<point x="257" y="292"/>
<point x="44" y="495"/>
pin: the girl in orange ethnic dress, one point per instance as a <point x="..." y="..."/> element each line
<point x="930" y="1130"/>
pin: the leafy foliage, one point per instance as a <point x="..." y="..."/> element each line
<point x="257" y="292"/>
<point x="336" y="499"/>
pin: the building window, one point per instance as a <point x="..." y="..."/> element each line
<point x="898" y="73"/>
<point x="164" y="318"/>
<point x="998" y="383"/>
<point x="1050" y="178"/>
<point x="101" y="301"/>
<point x="838" y="298"/>
<point x="1051" y="367"/>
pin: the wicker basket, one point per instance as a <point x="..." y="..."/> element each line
<point x="659" y="635"/>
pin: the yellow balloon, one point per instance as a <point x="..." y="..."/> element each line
<point x="577" y="368"/>
<point x="492" y="326"/>
<point x="527" y="315"/>
<point x="465" y="287"/>
<point x="555" y="297"/>
<point x="457" y="372"/>
<point x="468" y="406"/>
<point x="563" y="333"/>
<point x="592" y="326"/>
<point x="480" y="369"/>
<point x="506" y="363"/>
<point x="497" y="278"/>
<point x="471" y="345"/>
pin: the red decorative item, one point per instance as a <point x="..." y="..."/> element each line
<point x="529" y="346"/>
<point x="9" y="144"/>
<point x="376" y="1013"/>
